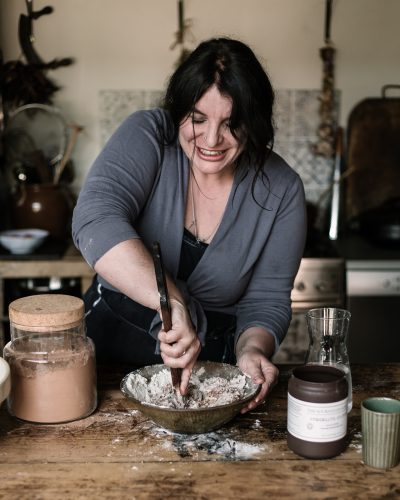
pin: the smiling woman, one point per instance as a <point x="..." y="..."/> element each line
<point x="199" y="176"/>
<point x="206" y="139"/>
<point x="205" y="135"/>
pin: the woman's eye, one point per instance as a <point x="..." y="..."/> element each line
<point x="198" y="120"/>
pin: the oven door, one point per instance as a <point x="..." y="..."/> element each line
<point x="373" y="298"/>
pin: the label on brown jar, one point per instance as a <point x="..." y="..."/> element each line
<point x="317" y="422"/>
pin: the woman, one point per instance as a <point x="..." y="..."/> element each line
<point x="198" y="176"/>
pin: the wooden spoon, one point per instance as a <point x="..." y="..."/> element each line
<point x="76" y="129"/>
<point x="165" y="309"/>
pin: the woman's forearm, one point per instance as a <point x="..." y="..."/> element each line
<point x="129" y="267"/>
<point x="258" y="339"/>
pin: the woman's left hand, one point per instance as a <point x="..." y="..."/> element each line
<point x="253" y="348"/>
<point x="256" y="365"/>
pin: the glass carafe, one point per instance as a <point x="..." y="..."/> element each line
<point x="328" y="328"/>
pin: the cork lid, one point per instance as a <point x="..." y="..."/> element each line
<point x="46" y="310"/>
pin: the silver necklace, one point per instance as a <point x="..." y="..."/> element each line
<point x="194" y="222"/>
<point x="198" y="187"/>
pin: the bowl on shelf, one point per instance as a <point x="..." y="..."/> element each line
<point x="22" y="241"/>
<point x="5" y="381"/>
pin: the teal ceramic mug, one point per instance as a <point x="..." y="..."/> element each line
<point x="380" y="424"/>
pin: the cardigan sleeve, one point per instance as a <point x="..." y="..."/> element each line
<point x="118" y="186"/>
<point x="266" y="301"/>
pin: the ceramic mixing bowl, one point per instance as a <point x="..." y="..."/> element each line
<point x="191" y="420"/>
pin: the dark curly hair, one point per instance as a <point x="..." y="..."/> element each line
<point x="233" y="67"/>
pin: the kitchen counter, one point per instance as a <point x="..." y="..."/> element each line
<point x="118" y="453"/>
<point x="69" y="265"/>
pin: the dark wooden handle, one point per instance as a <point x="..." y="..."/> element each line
<point x="164" y="304"/>
<point x="176" y="376"/>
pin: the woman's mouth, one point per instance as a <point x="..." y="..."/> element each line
<point x="210" y="154"/>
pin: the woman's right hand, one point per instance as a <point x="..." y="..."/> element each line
<point x="129" y="263"/>
<point x="180" y="346"/>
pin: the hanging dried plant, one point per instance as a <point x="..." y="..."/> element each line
<point x="182" y="34"/>
<point x="27" y="82"/>
<point x="325" y="145"/>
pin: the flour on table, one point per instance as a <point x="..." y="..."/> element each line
<point x="222" y="443"/>
<point x="203" y="392"/>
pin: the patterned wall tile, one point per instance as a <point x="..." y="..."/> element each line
<point x="305" y="113"/>
<point x="116" y="105"/>
<point x="283" y="115"/>
<point x="296" y="145"/>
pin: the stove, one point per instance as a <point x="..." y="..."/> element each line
<point x="320" y="282"/>
<point x="373" y="298"/>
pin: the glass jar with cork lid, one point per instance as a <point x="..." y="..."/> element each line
<point x="52" y="362"/>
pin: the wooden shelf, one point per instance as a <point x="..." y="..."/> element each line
<point x="70" y="265"/>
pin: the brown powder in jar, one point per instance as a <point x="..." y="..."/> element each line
<point x="61" y="390"/>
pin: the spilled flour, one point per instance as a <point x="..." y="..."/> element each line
<point x="214" y="443"/>
<point x="203" y="392"/>
<point x="220" y="444"/>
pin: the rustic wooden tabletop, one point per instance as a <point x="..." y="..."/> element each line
<point x="116" y="453"/>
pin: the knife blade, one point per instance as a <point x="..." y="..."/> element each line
<point x="165" y="306"/>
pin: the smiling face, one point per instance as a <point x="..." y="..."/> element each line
<point x="205" y="136"/>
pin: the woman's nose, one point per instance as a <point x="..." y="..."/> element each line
<point x="212" y="136"/>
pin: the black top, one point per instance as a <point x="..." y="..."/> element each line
<point x="191" y="252"/>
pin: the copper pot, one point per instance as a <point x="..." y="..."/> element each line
<point x="43" y="206"/>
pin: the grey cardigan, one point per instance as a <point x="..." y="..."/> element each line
<point x="137" y="188"/>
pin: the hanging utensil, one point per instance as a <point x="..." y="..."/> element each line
<point x="35" y="127"/>
<point x="165" y="307"/>
<point x="59" y="169"/>
<point x="335" y="203"/>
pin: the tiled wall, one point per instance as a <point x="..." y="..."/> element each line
<point x="116" y="105"/>
<point x="296" y="119"/>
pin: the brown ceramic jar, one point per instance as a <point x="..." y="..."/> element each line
<point x="317" y="411"/>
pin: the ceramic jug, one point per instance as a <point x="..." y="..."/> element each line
<point x="43" y="206"/>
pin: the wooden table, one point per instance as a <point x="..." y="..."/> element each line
<point x="118" y="454"/>
<point x="70" y="265"/>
